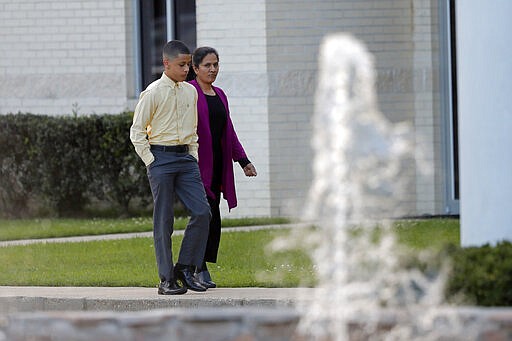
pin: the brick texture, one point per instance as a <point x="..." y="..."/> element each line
<point x="63" y="56"/>
<point x="78" y="56"/>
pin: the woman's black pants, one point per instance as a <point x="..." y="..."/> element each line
<point x="212" y="245"/>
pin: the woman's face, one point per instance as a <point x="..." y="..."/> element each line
<point x="207" y="70"/>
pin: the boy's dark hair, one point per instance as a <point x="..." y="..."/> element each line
<point x="174" y="48"/>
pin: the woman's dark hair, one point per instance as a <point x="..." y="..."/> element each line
<point x="201" y="52"/>
<point x="197" y="57"/>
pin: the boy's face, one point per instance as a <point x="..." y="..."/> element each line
<point x="177" y="68"/>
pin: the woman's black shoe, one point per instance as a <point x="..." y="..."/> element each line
<point x="204" y="278"/>
<point x="170" y="288"/>
<point x="185" y="274"/>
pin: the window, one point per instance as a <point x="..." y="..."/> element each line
<point x="185" y="22"/>
<point x="448" y="77"/>
<point x="454" y="113"/>
<point x="161" y="21"/>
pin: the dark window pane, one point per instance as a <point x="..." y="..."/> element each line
<point x="455" y="118"/>
<point x="153" y="25"/>
<point x="185" y="22"/>
<point x="153" y="38"/>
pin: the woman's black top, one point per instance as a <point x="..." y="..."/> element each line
<point x="218" y="119"/>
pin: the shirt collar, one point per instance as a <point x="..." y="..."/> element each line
<point x="170" y="82"/>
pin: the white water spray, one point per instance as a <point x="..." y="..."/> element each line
<point x="360" y="180"/>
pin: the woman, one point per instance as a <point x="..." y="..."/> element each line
<point x="218" y="148"/>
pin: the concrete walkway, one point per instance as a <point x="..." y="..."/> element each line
<point x="28" y="299"/>
<point x="141" y="235"/>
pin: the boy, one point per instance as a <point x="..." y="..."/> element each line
<point x="164" y="136"/>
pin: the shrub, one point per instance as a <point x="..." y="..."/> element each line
<point x="481" y="275"/>
<point x="16" y="171"/>
<point x="122" y="176"/>
<point x="68" y="161"/>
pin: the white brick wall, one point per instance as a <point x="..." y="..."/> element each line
<point x="400" y="35"/>
<point x="427" y="117"/>
<point x="60" y="55"/>
<point x="241" y="44"/>
<point x="282" y="37"/>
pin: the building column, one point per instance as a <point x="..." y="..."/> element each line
<point x="484" y="58"/>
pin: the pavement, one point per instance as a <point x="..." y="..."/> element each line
<point x="142" y="234"/>
<point x="29" y="299"/>
<point x="14" y="299"/>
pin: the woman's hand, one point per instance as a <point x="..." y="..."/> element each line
<point x="249" y="170"/>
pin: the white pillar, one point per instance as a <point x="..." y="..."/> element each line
<point x="484" y="74"/>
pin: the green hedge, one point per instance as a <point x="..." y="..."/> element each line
<point x="60" y="164"/>
<point x="477" y="276"/>
<point x="481" y="275"/>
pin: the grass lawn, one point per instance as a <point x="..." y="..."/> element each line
<point x="243" y="262"/>
<point x="243" y="259"/>
<point x="428" y="233"/>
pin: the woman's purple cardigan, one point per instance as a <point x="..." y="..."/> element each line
<point x="232" y="149"/>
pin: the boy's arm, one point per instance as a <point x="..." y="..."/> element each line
<point x="138" y="132"/>
<point x="194" y="146"/>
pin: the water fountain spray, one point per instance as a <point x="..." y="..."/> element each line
<point x="361" y="170"/>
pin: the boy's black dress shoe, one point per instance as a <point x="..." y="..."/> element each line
<point x="204" y="278"/>
<point x="185" y="274"/>
<point x="170" y="288"/>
